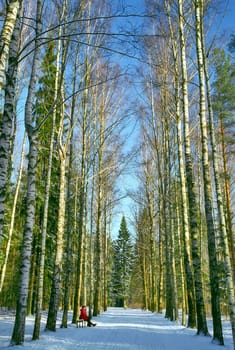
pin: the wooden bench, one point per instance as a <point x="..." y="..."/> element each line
<point x="80" y="323"/>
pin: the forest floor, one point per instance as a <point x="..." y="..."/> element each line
<point x="117" y="329"/>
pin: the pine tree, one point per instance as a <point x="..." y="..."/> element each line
<point x="122" y="265"/>
<point x="223" y="107"/>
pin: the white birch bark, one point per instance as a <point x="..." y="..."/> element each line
<point x="219" y="197"/>
<point x="63" y="142"/>
<point x="191" y="191"/>
<point x="13" y="7"/>
<point x="7" y="119"/>
<point x="56" y="283"/>
<point x="22" y="297"/>
<point x="82" y="196"/>
<point x="71" y="217"/>
<point x="98" y="260"/>
<point x="184" y="211"/>
<point x="215" y="298"/>
<point x="183" y="178"/>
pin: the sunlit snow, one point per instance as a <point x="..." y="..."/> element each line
<point x="117" y="329"/>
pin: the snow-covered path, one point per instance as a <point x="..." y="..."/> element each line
<point x="117" y="329"/>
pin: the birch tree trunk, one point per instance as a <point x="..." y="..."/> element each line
<point x="7" y="117"/>
<point x="82" y="197"/>
<point x="181" y="267"/>
<point x="98" y="240"/>
<point x="19" y="326"/>
<point x="153" y="262"/>
<point x="148" y="240"/>
<point x="215" y="298"/>
<point x="70" y="214"/>
<point x="157" y="285"/>
<point x="160" y="273"/>
<point x="228" y="200"/>
<point x="62" y="150"/>
<point x="13" y="8"/>
<point x="106" y="264"/>
<point x="193" y="207"/>
<point x="222" y="221"/>
<point x="142" y="258"/>
<point x="91" y="243"/>
<point x="80" y="256"/>
<point x="55" y="290"/>
<point x="150" y="195"/>
<point x="174" y="275"/>
<point x="188" y="265"/>
<point x="166" y="213"/>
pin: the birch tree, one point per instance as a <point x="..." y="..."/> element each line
<point x="70" y="209"/>
<point x="193" y="208"/>
<point x="100" y="189"/>
<point x="13" y="7"/>
<point x="183" y="184"/>
<point x="62" y="143"/>
<point x="214" y="283"/>
<point x="9" y="49"/>
<point x="222" y="220"/>
<point x="82" y="194"/>
<point x="19" y="326"/>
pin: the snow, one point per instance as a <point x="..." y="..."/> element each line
<point x="117" y="329"/>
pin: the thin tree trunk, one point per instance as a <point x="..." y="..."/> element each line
<point x="181" y="264"/>
<point x="91" y="241"/>
<point x="98" y="243"/>
<point x="63" y="142"/>
<point x="13" y="8"/>
<point x="22" y="297"/>
<point x="143" y="270"/>
<point x="82" y="199"/>
<point x="215" y="298"/>
<point x="160" y="273"/>
<point x="222" y="221"/>
<point x="167" y="216"/>
<point x="183" y="183"/>
<point x="174" y="275"/>
<point x="56" y="283"/>
<point x="11" y="228"/>
<point x="62" y="150"/>
<point x="150" y="195"/>
<point x="7" y="118"/>
<point x="159" y="287"/>
<point x="105" y="259"/>
<point x="228" y="200"/>
<point x="70" y="216"/>
<point x="193" y="207"/>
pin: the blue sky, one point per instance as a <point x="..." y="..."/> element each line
<point x="229" y="18"/>
<point x="223" y="23"/>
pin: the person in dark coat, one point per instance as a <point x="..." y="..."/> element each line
<point x="83" y="316"/>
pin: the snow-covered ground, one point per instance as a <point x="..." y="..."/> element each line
<point x="117" y="329"/>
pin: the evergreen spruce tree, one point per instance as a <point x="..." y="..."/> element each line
<point x="122" y="265"/>
<point x="223" y="110"/>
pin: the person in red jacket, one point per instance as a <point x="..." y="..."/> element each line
<point x="83" y="316"/>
